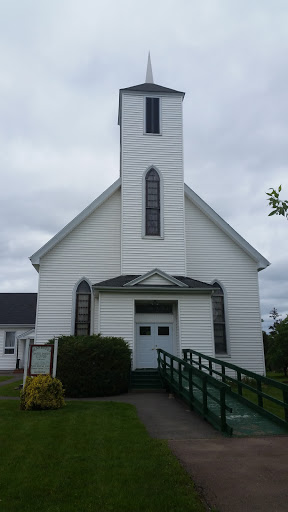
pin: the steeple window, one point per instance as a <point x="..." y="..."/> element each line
<point x="152" y="115"/>
<point x="152" y="181"/>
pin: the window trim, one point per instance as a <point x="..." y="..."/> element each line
<point x="14" y="347"/>
<point x="227" y="353"/>
<point x="74" y="304"/>
<point x="160" y="115"/>
<point x="152" y="237"/>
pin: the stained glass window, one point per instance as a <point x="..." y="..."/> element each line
<point x="152" y="203"/>
<point x="83" y="309"/>
<point x="219" y="320"/>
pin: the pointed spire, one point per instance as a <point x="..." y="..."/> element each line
<point x="149" y="74"/>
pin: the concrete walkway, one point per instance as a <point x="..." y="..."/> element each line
<point x="12" y="377"/>
<point x="232" y="474"/>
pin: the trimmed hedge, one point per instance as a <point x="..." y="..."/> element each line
<point x="93" y="365"/>
<point x="42" y="392"/>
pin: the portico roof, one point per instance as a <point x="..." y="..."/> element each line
<point x="122" y="283"/>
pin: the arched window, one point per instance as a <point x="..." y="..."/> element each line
<point x="83" y="309"/>
<point x="219" y="320"/>
<point x="152" y="203"/>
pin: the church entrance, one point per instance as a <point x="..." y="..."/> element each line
<point x="149" y="337"/>
<point x="154" y="328"/>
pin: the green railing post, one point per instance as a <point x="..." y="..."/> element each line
<point x="223" y="409"/>
<point x="180" y="376"/>
<point x="164" y="364"/>
<point x="185" y="355"/>
<point x="204" y="391"/>
<point x="171" y="369"/>
<point x="191" y="393"/>
<point x="223" y="373"/>
<point x="285" y="400"/>
<point x="239" y="383"/>
<point x="200" y="363"/>
<point x="260" y="397"/>
<point x="210" y="368"/>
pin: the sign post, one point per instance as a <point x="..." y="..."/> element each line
<point x="55" y="358"/>
<point x="26" y="360"/>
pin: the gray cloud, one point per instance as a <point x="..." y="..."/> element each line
<point x="61" y="67"/>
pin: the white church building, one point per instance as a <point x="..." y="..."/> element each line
<point x="149" y="260"/>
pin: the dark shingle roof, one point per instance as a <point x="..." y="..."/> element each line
<point x="120" y="281"/>
<point x="18" y="308"/>
<point x="152" y="88"/>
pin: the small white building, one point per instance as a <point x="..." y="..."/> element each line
<point x="149" y="260"/>
<point x="17" y="323"/>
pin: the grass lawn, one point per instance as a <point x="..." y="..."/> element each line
<point x="5" y="377"/>
<point x="9" y="389"/>
<point x="89" y="456"/>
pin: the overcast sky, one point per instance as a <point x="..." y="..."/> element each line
<point x="61" y="66"/>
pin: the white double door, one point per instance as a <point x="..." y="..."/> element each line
<point x="149" y="337"/>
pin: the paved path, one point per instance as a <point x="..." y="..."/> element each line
<point x="10" y="378"/>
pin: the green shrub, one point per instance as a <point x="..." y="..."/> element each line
<point x="93" y="365"/>
<point x="42" y="392"/>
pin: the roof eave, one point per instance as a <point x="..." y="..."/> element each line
<point x="148" y="289"/>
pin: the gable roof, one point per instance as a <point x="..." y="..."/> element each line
<point x="228" y="230"/>
<point x="133" y="282"/>
<point x="18" y="308"/>
<point x="35" y="258"/>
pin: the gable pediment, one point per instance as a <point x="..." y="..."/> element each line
<point x="156" y="277"/>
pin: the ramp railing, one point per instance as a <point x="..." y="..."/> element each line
<point x="239" y="380"/>
<point x="199" y="390"/>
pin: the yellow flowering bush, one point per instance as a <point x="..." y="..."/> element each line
<point x="42" y="392"/>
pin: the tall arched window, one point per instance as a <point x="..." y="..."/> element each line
<point x="152" y="203"/>
<point x="83" y="309"/>
<point x="219" y="320"/>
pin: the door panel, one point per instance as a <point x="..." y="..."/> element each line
<point x="149" y="337"/>
<point x="145" y="350"/>
<point x="163" y="337"/>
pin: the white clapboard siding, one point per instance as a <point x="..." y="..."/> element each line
<point x="8" y="361"/>
<point x="192" y="311"/>
<point x="139" y="151"/>
<point x="91" y="250"/>
<point x="212" y="255"/>
<point x="156" y="279"/>
<point x="196" y="323"/>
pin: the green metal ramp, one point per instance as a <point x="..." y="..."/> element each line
<point x="220" y="397"/>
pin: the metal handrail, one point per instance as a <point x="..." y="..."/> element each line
<point x="185" y="380"/>
<point x="260" y="380"/>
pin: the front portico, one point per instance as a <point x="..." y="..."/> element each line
<point x="153" y="311"/>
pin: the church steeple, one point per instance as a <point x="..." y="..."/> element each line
<point x="149" y="74"/>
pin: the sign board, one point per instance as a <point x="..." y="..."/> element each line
<point x="41" y="359"/>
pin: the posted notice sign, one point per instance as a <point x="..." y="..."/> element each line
<point x="41" y="359"/>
